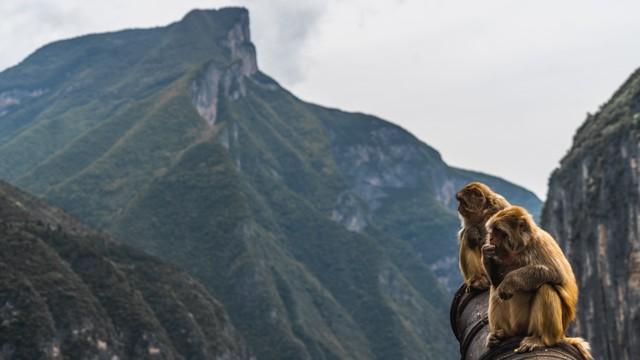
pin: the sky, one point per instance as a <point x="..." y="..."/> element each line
<point x="495" y="86"/>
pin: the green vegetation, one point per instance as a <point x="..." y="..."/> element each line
<point x="68" y="290"/>
<point x="323" y="233"/>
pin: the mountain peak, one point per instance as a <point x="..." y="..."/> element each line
<point x="227" y="12"/>
<point x="231" y="27"/>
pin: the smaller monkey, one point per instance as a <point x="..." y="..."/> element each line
<point x="533" y="289"/>
<point x="476" y="204"/>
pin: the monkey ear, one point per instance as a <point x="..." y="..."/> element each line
<point x="524" y="229"/>
<point x="482" y="199"/>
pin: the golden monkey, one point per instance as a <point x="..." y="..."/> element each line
<point x="533" y="289"/>
<point x="476" y="203"/>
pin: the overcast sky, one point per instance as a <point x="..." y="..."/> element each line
<point x="495" y="86"/>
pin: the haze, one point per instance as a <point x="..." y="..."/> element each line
<point x="495" y="86"/>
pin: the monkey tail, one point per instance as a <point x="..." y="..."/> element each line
<point x="569" y="296"/>
<point x="581" y="344"/>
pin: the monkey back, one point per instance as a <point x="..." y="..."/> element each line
<point x="470" y="325"/>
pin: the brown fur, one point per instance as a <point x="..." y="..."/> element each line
<point x="534" y="291"/>
<point x="476" y="203"/>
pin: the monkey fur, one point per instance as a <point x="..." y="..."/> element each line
<point x="533" y="289"/>
<point x="476" y="203"/>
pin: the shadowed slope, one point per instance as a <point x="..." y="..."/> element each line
<point x="69" y="291"/>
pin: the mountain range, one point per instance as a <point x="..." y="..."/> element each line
<point x="325" y="234"/>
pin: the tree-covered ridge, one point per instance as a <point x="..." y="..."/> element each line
<point x="68" y="291"/>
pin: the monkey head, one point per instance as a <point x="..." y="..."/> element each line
<point x="508" y="234"/>
<point x="477" y="201"/>
<point x="511" y="229"/>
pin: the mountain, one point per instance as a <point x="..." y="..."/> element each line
<point x="326" y="234"/>
<point x="592" y="209"/>
<point x="67" y="291"/>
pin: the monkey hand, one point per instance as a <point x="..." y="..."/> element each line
<point x="489" y="258"/>
<point x="488" y="251"/>
<point x="505" y="291"/>
<point x="504" y="295"/>
<point x="479" y="282"/>
<point x="492" y="264"/>
<point x="495" y="337"/>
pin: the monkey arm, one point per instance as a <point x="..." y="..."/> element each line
<point x="528" y="278"/>
<point x="493" y="266"/>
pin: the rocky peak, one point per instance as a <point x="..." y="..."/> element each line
<point x="239" y="43"/>
<point x="232" y="27"/>
<point x="228" y="79"/>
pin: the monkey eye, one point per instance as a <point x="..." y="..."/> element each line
<point x="498" y="233"/>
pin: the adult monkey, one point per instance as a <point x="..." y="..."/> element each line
<point x="533" y="289"/>
<point x="476" y="204"/>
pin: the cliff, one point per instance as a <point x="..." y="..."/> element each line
<point x="592" y="209"/>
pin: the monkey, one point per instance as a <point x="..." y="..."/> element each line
<point x="476" y="203"/>
<point x="533" y="289"/>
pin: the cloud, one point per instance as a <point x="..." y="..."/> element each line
<point x="30" y="24"/>
<point x="282" y="30"/>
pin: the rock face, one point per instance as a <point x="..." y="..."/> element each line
<point x="406" y="188"/>
<point x="15" y="98"/>
<point x="593" y="210"/>
<point x="326" y="234"/>
<point x="69" y="292"/>
<point x="227" y="79"/>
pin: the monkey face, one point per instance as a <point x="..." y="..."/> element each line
<point x="496" y="237"/>
<point x="503" y="239"/>
<point x="510" y="229"/>
<point x="499" y="246"/>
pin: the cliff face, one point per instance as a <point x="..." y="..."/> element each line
<point x="406" y="189"/>
<point x="593" y="209"/>
<point x="69" y="292"/>
<point x="225" y="79"/>
<point x="326" y="234"/>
